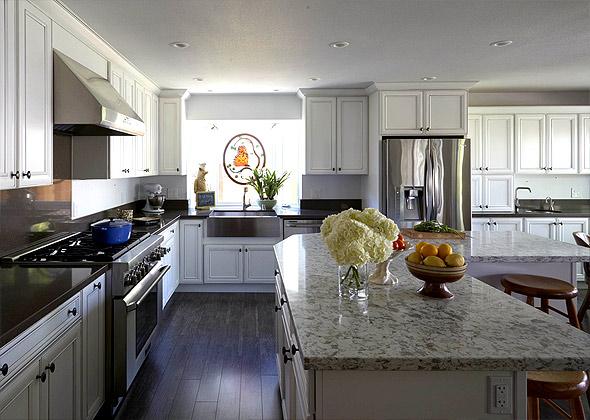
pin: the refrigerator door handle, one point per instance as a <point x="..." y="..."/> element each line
<point x="428" y="184"/>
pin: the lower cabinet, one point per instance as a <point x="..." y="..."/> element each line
<point x="239" y="263"/>
<point x="498" y="224"/>
<point x="172" y="278"/>
<point x="56" y="368"/>
<point x="191" y="251"/>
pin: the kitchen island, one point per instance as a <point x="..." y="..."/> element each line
<point x="401" y="355"/>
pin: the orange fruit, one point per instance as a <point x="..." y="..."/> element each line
<point x="429" y="250"/>
<point x="444" y="250"/>
<point x="419" y="245"/>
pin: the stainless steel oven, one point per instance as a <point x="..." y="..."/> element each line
<point x="135" y="320"/>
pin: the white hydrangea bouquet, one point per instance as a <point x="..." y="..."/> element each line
<point x="355" y="238"/>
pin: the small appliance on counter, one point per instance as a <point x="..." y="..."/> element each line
<point x="154" y="199"/>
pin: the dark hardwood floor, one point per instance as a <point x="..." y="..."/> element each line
<point x="213" y="359"/>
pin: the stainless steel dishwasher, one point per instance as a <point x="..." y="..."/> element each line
<point x="300" y="226"/>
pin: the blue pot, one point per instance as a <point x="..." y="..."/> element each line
<point x="112" y="232"/>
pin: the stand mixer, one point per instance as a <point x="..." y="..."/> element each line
<point x="154" y="199"/>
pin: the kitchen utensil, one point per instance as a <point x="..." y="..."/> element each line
<point x="435" y="278"/>
<point x="111" y="232"/>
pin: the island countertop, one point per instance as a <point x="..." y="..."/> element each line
<point x="396" y="329"/>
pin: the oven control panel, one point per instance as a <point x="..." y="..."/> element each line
<point x="143" y="267"/>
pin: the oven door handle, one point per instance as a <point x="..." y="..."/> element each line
<point x="131" y="306"/>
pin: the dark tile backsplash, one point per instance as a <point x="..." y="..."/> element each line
<point x="330" y="204"/>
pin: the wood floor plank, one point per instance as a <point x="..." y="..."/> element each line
<point x="228" y="406"/>
<point x="271" y="399"/>
<point x="205" y="410"/>
<point x="184" y="401"/>
<point x="251" y="384"/>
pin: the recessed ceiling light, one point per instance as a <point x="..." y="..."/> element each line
<point x="502" y="43"/>
<point x="314" y="79"/>
<point x="198" y="79"/>
<point x="339" y="44"/>
<point x="210" y="90"/>
<point x="275" y="90"/>
<point x="180" y="44"/>
<point x="429" y="78"/>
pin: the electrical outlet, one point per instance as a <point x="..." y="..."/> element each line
<point x="500" y="394"/>
<point x="574" y="193"/>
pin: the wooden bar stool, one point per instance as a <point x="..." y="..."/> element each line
<point x="549" y="386"/>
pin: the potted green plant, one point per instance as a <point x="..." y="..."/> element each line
<point x="267" y="184"/>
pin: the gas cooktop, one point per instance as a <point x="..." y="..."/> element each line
<point x="80" y="248"/>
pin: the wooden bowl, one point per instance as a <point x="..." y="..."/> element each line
<point x="435" y="278"/>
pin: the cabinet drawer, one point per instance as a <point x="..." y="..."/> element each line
<point x="18" y="351"/>
<point x="169" y="232"/>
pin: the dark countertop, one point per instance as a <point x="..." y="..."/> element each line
<point x="27" y="294"/>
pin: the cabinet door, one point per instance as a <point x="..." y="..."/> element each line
<point x="35" y="100"/>
<point x="140" y="164"/>
<point x="117" y="143"/>
<point x="7" y="98"/>
<point x="541" y="226"/>
<point x="530" y="144"/>
<point x="128" y="142"/>
<point x="402" y="112"/>
<point x="320" y="135"/>
<point x="147" y="138"/>
<point x="260" y="264"/>
<point x="498" y="193"/>
<point x="168" y="282"/>
<point x="93" y="351"/>
<point x="569" y="225"/>
<point x="445" y="112"/>
<point x="476" y="193"/>
<point x="191" y="257"/>
<point x="498" y="141"/>
<point x="170" y="146"/>
<point x="353" y="135"/>
<point x="62" y="362"/>
<point x="474" y="134"/>
<point x="223" y="263"/>
<point x="507" y="224"/>
<point x="19" y="398"/>
<point x="562" y="143"/>
<point x="480" y="224"/>
<point x="154" y="140"/>
<point x="584" y="146"/>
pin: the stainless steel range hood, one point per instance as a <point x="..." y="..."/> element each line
<point x="85" y="104"/>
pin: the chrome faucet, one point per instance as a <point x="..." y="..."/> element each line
<point x="549" y="201"/>
<point x="244" y="205"/>
<point x="516" y="200"/>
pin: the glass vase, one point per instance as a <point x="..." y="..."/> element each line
<point x="353" y="281"/>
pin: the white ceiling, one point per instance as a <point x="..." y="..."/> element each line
<point x="262" y="45"/>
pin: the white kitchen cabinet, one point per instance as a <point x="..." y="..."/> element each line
<point x="541" y="226"/>
<point x="497" y="224"/>
<point x="445" y="112"/>
<point x="153" y="164"/>
<point x="531" y="147"/>
<point x="402" y="112"/>
<point x="122" y="148"/>
<point x="584" y="144"/>
<point x="259" y="264"/>
<point x="498" y="144"/>
<point x="20" y="398"/>
<point x="416" y="112"/>
<point x="62" y="362"/>
<point x="492" y="193"/>
<point x="171" y="126"/>
<point x="223" y="263"/>
<point x="480" y="224"/>
<point x="352" y="140"/>
<point x="191" y="251"/>
<point x="476" y="146"/>
<point x="171" y="279"/>
<point x="336" y="135"/>
<point x="320" y="135"/>
<point x="35" y="99"/>
<point x="93" y="347"/>
<point x="140" y="152"/>
<point x="562" y="143"/>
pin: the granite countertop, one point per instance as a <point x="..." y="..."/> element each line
<point x="565" y="213"/>
<point x="27" y="294"/>
<point x="396" y="329"/>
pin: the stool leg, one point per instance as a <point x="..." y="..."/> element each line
<point x="577" y="409"/>
<point x="530" y="300"/>
<point x="584" y="307"/>
<point x="571" y="312"/>
<point x="545" y="305"/>
<point x="533" y="411"/>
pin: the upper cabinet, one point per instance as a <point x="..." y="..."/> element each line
<point x="7" y="98"/>
<point x="171" y="120"/>
<point x="546" y="143"/>
<point x="491" y="144"/>
<point x="584" y="144"/>
<point x="336" y="135"/>
<point x="417" y="112"/>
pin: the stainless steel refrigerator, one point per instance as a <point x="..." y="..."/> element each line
<point x="427" y="179"/>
